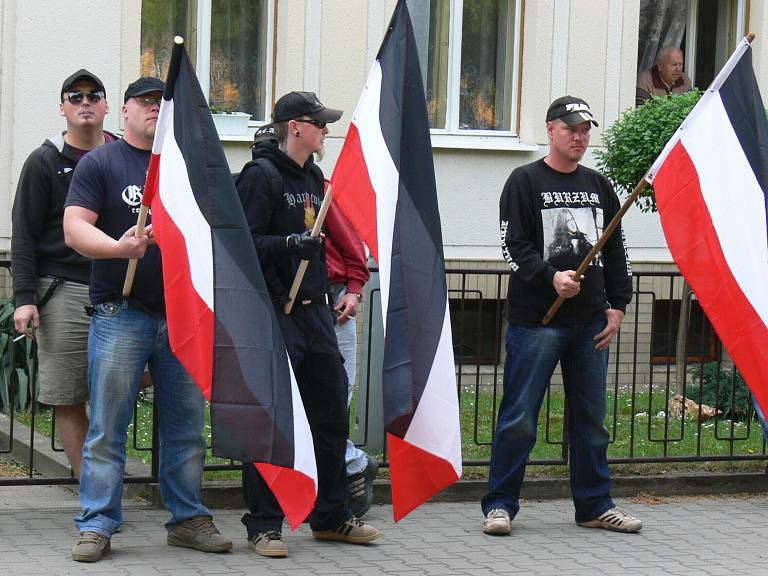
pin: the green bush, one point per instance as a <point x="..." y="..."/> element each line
<point x="635" y="140"/>
<point x="16" y="365"/>
<point x="721" y="388"/>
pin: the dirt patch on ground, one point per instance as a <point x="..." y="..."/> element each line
<point x="654" y="500"/>
<point x="10" y="469"/>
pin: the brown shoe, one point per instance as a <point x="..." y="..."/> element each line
<point x="354" y="531"/>
<point x="199" y="533"/>
<point x="91" y="547"/>
<point x="269" y="544"/>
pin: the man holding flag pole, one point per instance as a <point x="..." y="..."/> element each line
<point x="127" y="334"/>
<point x="282" y="192"/>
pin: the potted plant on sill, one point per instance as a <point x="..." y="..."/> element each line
<point x="229" y="123"/>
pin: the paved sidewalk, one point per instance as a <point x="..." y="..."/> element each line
<point x="694" y="535"/>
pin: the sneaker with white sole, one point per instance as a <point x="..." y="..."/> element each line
<point x="497" y="523"/>
<point x="354" y="531"/>
<point x="269" y="543"/>
<point x="91" y="547"/>
<point x="615" y="519"/>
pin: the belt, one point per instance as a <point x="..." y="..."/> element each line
<point x="324" y="299"/>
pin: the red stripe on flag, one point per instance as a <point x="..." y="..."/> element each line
<point x="351" y="175"/>
<point x="151" y="184"/>
<point x="294" y="491"/>
<point x="696" y="248"/>
<point x="192" y="336"/>
<point x="415" y="474"/>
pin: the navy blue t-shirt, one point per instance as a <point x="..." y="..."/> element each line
<point x="110" y="181"/>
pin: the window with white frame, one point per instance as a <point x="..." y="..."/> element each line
<point x="469" y="60"/>
<point x="228" y="41"/>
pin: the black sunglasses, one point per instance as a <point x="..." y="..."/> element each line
<point x="77" y="97"/>
<point x="319" y="123"/>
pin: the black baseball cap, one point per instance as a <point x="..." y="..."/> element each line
<point x="81" y="74"/>
<point x="144" y="85"/>
<point x="298" y="104"/>
<point x="570" y="110"/>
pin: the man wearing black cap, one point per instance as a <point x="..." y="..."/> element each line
<point x="280" y="218"/>
<point x="50" y="280"/>
<point x="127" y="334"/>
<point x="552" y="211"/>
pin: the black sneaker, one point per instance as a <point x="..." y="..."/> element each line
<point x="361" y="488"/>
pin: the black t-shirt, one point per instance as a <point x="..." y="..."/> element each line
<point x="550" y="221"/>
<point x="110" y="182"/>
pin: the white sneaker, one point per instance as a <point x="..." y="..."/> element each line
<point x="497" y="522"/>
<point x="615" y="519"/>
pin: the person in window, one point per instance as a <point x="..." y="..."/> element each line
<point x="281" y="191"/>
<point x="126" y="335"/>
<point x="537" y="203"/>
<point x="50" y="280"/>
<point x="666" y="77"/>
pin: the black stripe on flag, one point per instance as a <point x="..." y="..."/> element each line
<point x="251" y="406"/>
<point x="741" y="98"/>
<point x="417" y="289"/>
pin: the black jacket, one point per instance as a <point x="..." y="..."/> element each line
<point x="275" y="210"/>
<point x="549" y="222"/>
<point x="37" y="242"/>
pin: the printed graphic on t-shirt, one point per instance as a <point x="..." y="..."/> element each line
<point x="569" y="235"/>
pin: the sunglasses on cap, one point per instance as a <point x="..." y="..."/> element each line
<point x="319" y="123"/>
<point x="77" y="97"/>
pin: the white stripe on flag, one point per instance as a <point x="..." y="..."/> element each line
<point x="179" y="201"/>
<point x="303" y="448"/>
<point x="383" y="174"/>
<point x="733" y="196"/>
<point x="439" y="406"/>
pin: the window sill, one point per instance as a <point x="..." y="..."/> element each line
<point x="247" y="137"/>
<point x="481" y="142"/>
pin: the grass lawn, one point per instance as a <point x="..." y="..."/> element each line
<point x="638" y="428"/>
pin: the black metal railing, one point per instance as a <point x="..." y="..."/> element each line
<point x="643" y="382"/>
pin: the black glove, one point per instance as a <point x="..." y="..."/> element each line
<point x="304" y="245"/>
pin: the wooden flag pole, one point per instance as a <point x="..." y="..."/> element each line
<point x="598" y="245"/>
<point x="304" y="263"/>
<point x="129" y="274"/>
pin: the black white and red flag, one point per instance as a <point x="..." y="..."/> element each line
<point x="221" y="323"/>
<point x="384" y="182"/>
<point x="711" y="185"/>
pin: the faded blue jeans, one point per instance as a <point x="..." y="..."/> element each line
<point x="346" y="336"/>
<point x="532" y="355"/>
<point x="121" y="342"/>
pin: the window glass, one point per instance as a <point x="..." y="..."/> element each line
<point x="236" y="57"/>
<point x="238" y="43"/>
<point x="161" y="20"/>
<point x="467" y="52"/>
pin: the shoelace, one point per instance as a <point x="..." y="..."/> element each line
<point x="204" y="525"/>
<point x="89" y="536"/>
<point x="269" y="535"/>
<point x="497" y="513"/>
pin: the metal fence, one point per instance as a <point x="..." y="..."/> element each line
<point x="651" y="417"/>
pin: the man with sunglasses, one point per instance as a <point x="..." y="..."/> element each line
<point x="128" y="334"/>
<point x="280" y="218"/>
<point x="50" y="280"/>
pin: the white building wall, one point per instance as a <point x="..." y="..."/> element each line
<point x="582" y="47"/>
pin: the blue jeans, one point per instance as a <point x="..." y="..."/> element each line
<point x="346" y="335"/>
<point x="122" y="341"/>
<point x="532" y="355"/>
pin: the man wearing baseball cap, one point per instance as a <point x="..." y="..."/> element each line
<point x="552" y="212"/>
<point x="127" y="334"/>
<point x="50" y="280"/>
<point x="280" y="218"/>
